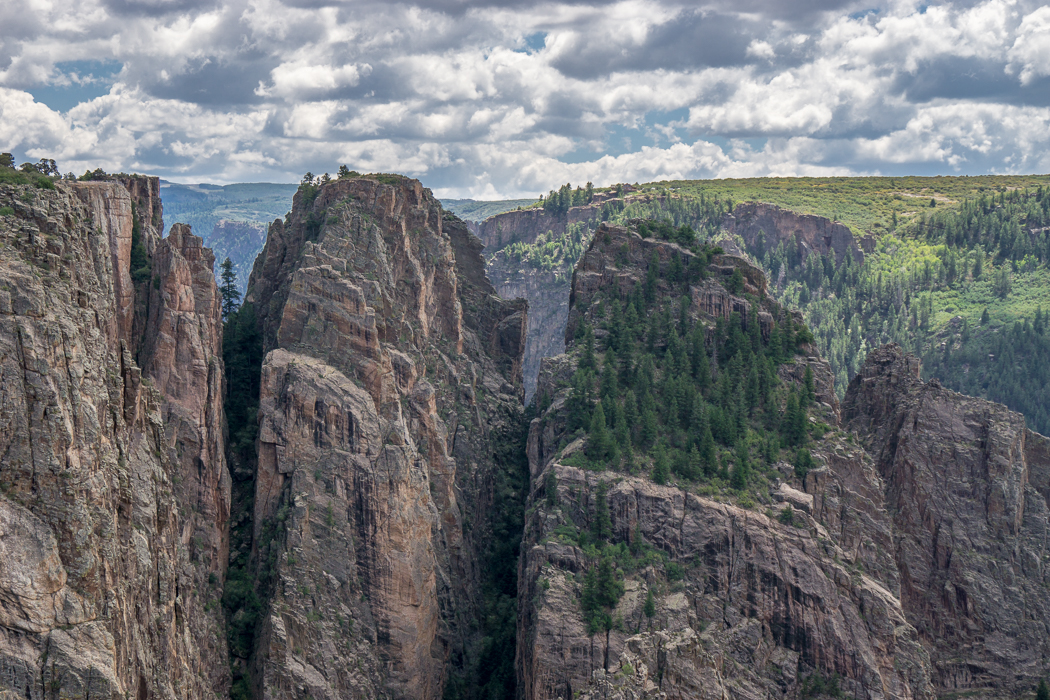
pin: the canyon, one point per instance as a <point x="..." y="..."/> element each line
<point x="354" y="531"/>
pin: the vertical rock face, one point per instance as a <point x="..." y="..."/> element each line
<point x="182" y="354"/>
<point x="98" y="593"/>
<point x="967" y="484"/>
<point x="528" y="224"/>
<point x="753" y="606"/>
<point x="548" y="296"/>
<point x="547" y="290"/>
<point x="391" y="370"/>
<point x="765" y="226"/>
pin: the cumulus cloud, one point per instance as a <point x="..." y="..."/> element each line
<point x="496" y="98"/>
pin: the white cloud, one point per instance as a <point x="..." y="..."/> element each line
<point x="1031" y="48"/>
<point x="301" y="80"/>
<point x="257" y="89"/>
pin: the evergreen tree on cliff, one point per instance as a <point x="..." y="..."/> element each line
<point x="231" y="296"/>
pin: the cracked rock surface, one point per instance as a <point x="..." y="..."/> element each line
<point x="100" y="586"/>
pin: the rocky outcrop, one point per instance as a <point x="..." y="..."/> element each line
<point x="622" y="259"/>
<point x="99" y="594"/>
<point x="392" y="369"/>
<point x="547" y="290"/>
<point x="967" y="484"/>
<point x="548" y="297"/>
<point x="765" y="226"/>
<point x="746" y="602"/>
<point x="182" y="355"/>
<point x="526" y="225"/>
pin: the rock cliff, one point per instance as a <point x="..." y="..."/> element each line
<point x="526" y="225"/>
<point x="100" y="593"/>
<point x="703" y="518"/>
<point x="547" y="293"/>
<point x="546" y="288"/>
<point x="742" y="601"/>
<point x="765" y="226"/>
<point x="392" y="373"/>
<point x="909" y="565"/>
<point x="967" y="484"/>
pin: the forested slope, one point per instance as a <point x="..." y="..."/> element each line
<point x="955" y="269"/>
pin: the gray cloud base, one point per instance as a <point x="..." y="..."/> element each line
<point x="490" y="99"/>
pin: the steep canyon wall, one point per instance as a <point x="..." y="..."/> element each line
<point x="113" y="467"/>
<point x="391" y="371"/>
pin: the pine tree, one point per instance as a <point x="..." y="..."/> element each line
<point x="803" y="463"/>
<point x="742" y="469"/>
<point x="672" y="413"/>
<point x="794" y="426"/>
<point x="550" y="488"/>
<point x="621" y="428"/>
<point x="698" y="356"/>
<point x="578" y="405"/>
<point x="708" y="458"/>
<point x="735" y="285"/>
<point x="231" y="296"/>
<point x="650" y="608"/>
<point x="1043" y="692"/>
<point x="598" y="441"/>
<point x="610" y="588"/>
<point x="652" y="272"/>
<point x="610" y="386"/>
<point x="752" y="393"/>
<point x="588" y="361"/>
<point x="661" y="467"/>
<point x="647" y="430"/>
<point x="630" y="412"/>
<point x="809" y="394"/>
<point x="776" y="344"/>
<point x="692" y="466"/>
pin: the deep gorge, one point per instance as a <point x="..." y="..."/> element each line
<point x="340" y="492"/>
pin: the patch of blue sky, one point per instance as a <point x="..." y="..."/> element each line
<point x="76" y="82"/>
<point x="656" y="130"/>
<point x="534" y="43"/>
<point x="861" y="14"/>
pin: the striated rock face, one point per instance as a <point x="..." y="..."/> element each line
<point x="547" y="291"/>
<point x="182" y="354"/>
<point x="967" y="484"/>
<point x="756" y="605"/>
<point x="765" y="226"/>
<point x="392" y="371"/>
<point x="99" y="595"/>
<point x="548" y="296"/>
<point x="526" y="225"/>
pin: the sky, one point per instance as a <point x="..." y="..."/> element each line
<point x="500" y="99"/>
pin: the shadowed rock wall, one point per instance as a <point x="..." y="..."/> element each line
<point x="392" y="365"/>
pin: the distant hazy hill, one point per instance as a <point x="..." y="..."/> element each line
<point x="473" y="210"/>
<point x="232" y="219"/>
